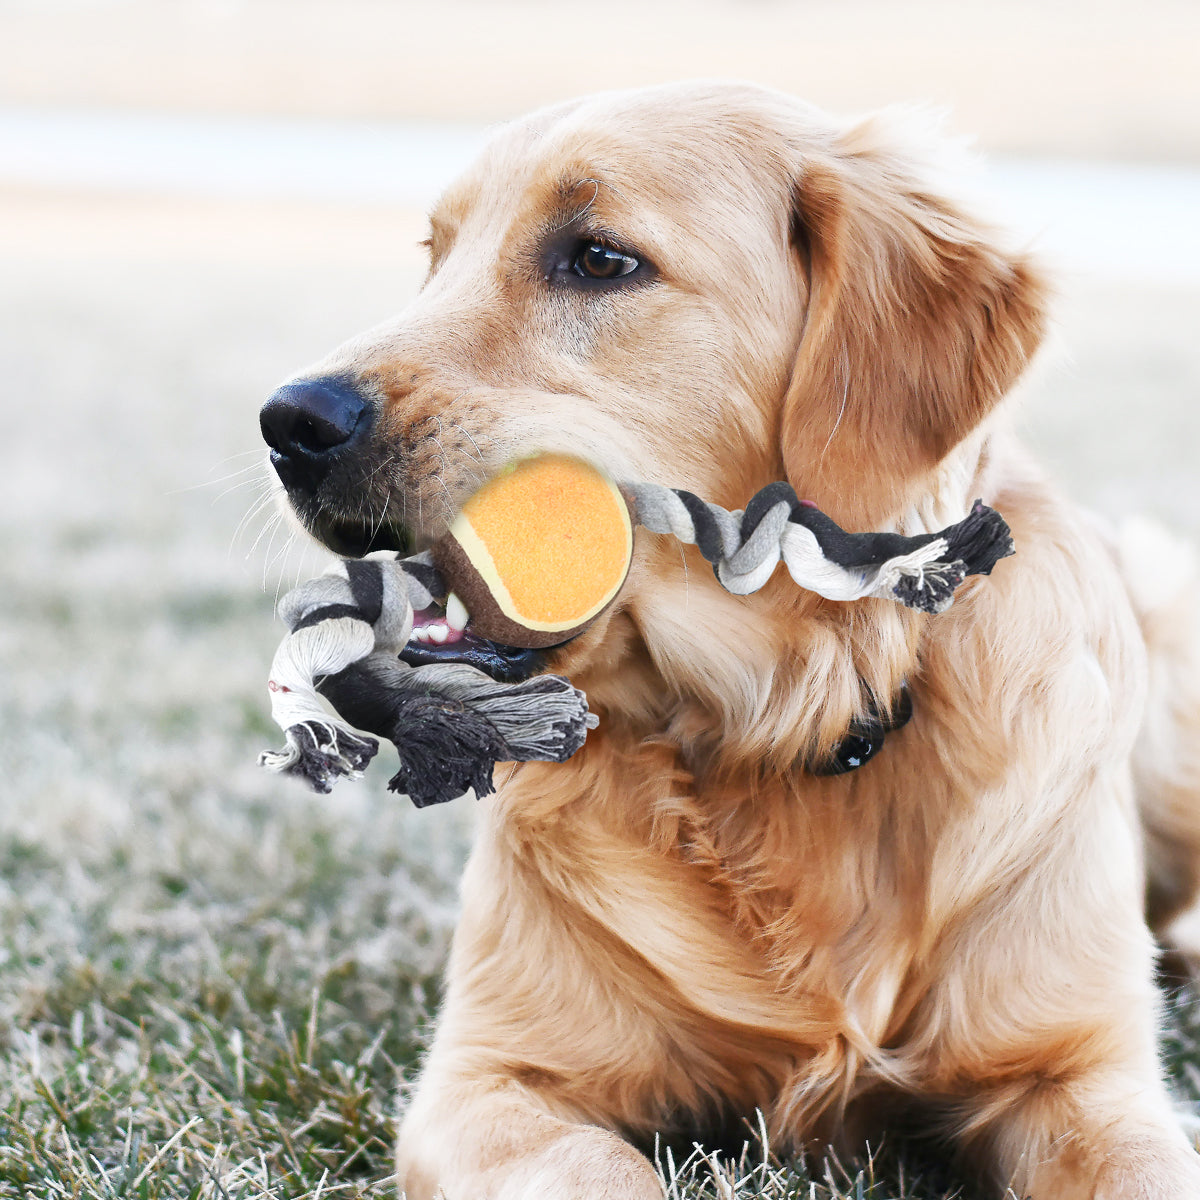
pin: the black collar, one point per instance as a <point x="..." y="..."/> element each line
<point x="865" y="737"/>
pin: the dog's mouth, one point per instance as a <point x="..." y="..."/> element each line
<point x="441" y="636"/>
<point x="438" y="635"/>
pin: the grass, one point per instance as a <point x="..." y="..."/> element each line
<point x="189" y="1042"/>
<point x="213" y="984"/>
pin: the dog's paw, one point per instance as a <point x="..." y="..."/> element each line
<point x="586" y="1164"/>
<point x="1172" y="1174"/>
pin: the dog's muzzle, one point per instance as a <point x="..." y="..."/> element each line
<point x="320" y="435"/>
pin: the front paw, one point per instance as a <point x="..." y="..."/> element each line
<point x="586" y="1164"/>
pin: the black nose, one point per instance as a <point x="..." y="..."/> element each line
<point x="308" y="423"/>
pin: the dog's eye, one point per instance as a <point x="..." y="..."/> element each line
<point x="595" y="263"/>
<point x="594" y="260"/>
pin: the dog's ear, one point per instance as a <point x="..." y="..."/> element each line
<point x="916" y="325"/>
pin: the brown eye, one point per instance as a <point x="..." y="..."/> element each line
<point x="597" y="261"/>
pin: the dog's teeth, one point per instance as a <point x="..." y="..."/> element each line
<point x="438" y="633"/>
<point x="421" y="633"/>
<point x="456" y="612"/>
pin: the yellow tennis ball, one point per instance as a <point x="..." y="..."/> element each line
<point x="538" y="552"/>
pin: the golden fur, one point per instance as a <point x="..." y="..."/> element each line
<point x="680" y="925"/>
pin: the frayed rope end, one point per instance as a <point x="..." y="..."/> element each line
<point x="980" y="540"/>
<point x="321" y="753"/>
<point x="930" y="590"/>
<point x="973" y="546"/>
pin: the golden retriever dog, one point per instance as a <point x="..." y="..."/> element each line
<point x="714" y="286"/>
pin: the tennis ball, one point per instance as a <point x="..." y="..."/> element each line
<point x="538" y="552"/>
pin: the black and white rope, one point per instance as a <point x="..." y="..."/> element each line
<point x="450" y="722"/>
<point x="745" y="546"/>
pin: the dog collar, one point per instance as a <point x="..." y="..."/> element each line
<point x="865" y="737"/>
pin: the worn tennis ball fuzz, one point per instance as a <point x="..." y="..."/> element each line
<point x="539" y="552"/>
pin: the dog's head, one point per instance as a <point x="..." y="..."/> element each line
<point x="707" y="286"/>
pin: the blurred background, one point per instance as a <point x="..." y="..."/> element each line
<point x="197" y="197"/>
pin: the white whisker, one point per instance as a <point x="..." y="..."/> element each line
<point x="281" y="553"/>
<point x="252" y="481"/>
<point x="272" y="527"/>
<point x="479" y="453"/>
<point x="259" y="506"/>
<point x="248" y="469"/>
<point x="842" y="406"/>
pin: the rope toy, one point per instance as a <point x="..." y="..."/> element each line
<point x="531" y="560"/>
<point x="452" y="721"/>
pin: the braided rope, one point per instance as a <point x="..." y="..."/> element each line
<point x="746" y="545"/>
<point x="450" y="722"/>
